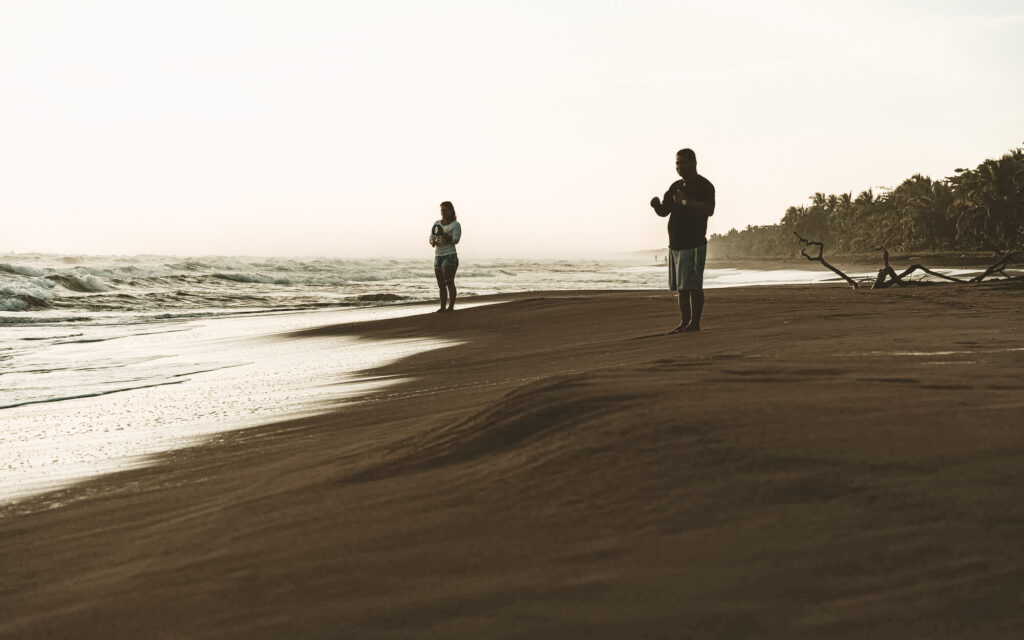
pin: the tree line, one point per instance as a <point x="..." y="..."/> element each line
<point x="980" y="209"/>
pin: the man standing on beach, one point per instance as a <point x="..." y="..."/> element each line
<point x="688" y="203"/>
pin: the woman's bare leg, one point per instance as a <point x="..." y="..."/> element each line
<point x="442" y="289"/>
<point x="449" y="281"/>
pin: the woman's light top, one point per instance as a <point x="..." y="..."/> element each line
<point x="453" y="229"/>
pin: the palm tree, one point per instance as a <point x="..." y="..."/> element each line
<point x="988" y="202"/>
<point x="981" y="208"/>
<point x="921" y="211"/>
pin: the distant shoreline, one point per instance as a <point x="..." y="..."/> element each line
<point x="950" y="259"/>
<point x="852" y="262"/>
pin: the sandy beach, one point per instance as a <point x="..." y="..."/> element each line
<point x="818" y="462"/>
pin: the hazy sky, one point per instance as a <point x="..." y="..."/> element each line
<point x="336" y="128"/>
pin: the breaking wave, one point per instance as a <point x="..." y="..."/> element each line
<point x="81" y="283"/>
<point x="252" y="277"/>
<point x="196" y="286"/>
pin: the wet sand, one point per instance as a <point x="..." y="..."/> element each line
<point x="819" y="462"/>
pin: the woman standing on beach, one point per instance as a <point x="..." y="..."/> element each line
<point x="443" y="237"/>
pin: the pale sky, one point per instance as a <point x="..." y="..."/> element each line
<point x="336" y="128"/>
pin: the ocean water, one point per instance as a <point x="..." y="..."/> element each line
<point x="68" y="289"/>
<point x="105" y="361"/>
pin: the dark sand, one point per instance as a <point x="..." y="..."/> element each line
<point x="818" y="463"/>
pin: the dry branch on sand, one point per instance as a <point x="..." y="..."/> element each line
<point x="1000" y="267"/>
<point x="811" y="243"/>
<point x="893" y="278"/>
<point x="887" y="276"/>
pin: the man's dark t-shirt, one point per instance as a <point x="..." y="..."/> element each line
<point x="687" y="229"/>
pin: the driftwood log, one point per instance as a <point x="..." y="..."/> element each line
<point x="811" y="243"/>
<point x="887" y="276"/>
<point x="881" y="282"/>
<point x="999" y="267"/>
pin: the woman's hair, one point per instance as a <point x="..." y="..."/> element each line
<point x="450" y="207"/>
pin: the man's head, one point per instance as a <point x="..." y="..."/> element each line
<point x="686" y="163"/>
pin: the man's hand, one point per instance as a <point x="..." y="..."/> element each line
<point x="433" y="243"/>
<point x="679" y="197"/>
<point x="656" y="203"/>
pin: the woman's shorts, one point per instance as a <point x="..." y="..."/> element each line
<point x="686" y="268"/>
<point x="450" y="260"/>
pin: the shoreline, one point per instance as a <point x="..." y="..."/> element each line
<point x="817" y="462"/>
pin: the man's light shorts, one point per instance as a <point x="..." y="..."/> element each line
<point x="686" y="268"/>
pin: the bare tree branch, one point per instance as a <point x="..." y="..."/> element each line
<point x="881" y="282"/>
<point x="888" y="271"/>
<point x="998" y="267"/>
<point x="810" y="243"/>
<point x="887" y="276"/>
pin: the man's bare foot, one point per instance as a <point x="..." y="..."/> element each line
<point x="441" y="310"/>
<point x="678" y="329"/>
<point x="690" y="327"/>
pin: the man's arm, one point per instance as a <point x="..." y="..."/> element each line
<point x="668" y="202"/>
<point x="700" y="208"/>
<point x="659" y="208"/>
<point x="703" y="202"/>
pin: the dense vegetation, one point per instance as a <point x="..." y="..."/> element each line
<point x="979" y="209"/>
